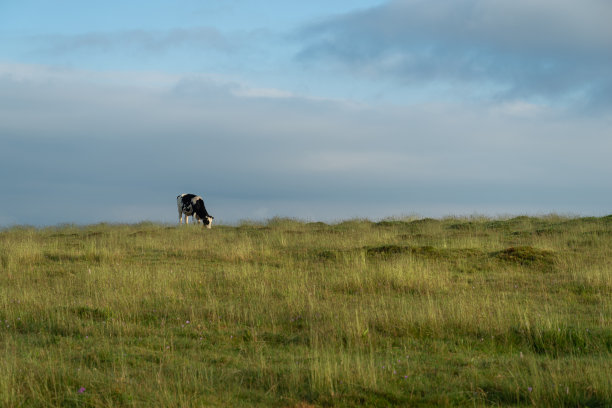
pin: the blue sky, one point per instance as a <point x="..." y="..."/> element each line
<point x="315" y="110"/>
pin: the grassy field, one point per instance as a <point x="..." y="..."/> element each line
<point x="450" y="312"/>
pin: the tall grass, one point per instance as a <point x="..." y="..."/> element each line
<point x="453" y="312"/>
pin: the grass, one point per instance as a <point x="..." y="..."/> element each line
<point x="450" y="312"/>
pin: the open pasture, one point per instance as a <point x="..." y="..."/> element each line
<point x="404" y="312"/>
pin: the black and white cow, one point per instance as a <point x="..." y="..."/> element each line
<point x="193" y="205"/>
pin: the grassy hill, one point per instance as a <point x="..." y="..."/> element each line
<point x="450" y="312"/>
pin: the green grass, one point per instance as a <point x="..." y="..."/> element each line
<point x="451" y="312"/>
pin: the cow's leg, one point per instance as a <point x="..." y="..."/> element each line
<point x="180" y="217"/>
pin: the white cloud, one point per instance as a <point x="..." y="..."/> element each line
<point x="556" y="50"/>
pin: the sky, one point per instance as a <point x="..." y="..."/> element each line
<point x="318" y="110"/>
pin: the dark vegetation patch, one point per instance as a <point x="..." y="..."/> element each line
<point x="527" y="256"/>
<point x="462" y="260"/>
<point x="429" y="251"/>
<point x="554" y="342"/>
<point x="91" y="313"/>
<point x="465" y="226"/>
<point x="66" y="257"/>
<point x="561" y="341"/>
<point x="607" y="218"/>
<point x="499" y="394"/>
<point x="387" y="250"/>
<point x="325" y="255"/>
<point x="364" y="396"/>
<point x="392" y="223"/>
<point x="587" y="294"/>
<point x="408" y="237"/>
<point x="429" y="225"/>
<point x="547" y="231"/>
<point x="284" y="339"/>
<point x="139" y="233"/>
<point x="425" y="221"/>
<point x="4" y="260"/>
<point x="426" y="251"/>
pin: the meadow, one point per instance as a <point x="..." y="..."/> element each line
<point x="458" y="311"/>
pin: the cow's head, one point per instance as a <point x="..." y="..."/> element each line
<point x="207" y="221"/>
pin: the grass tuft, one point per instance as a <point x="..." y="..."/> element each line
<point x="528" y="256"/>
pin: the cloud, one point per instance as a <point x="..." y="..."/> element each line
<point x="92" y="146"/>
<point x="515" y="48"/>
